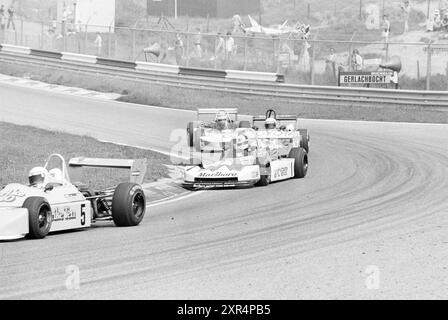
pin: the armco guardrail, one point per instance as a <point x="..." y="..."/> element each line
<point x="247" y="83"/>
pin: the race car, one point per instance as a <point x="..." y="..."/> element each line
<point x="50" y="202"/>
<point x="287" y="127"/>
<point x="212" y="122"/>
<point x="248" y="157"/>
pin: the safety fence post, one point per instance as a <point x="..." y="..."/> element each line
<point x="428" y="66"/>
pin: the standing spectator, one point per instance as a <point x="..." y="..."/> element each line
<point x="386" y="31"/>
<point x="220" y="46"/>
<point x="2" y="18"/>
<point x="11" y="18"/>
<point x="197" y="43"/>
<point x="98" y="44"/>
<point x="230" y="45"/>
<point x="179" y="49"/>
<point x="330" y="67"/>
<point x="357" y="61"/>
<point x="406" y="12"/>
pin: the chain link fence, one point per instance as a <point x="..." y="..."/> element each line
<point x="301" y="61"/>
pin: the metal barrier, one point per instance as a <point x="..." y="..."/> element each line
<point x="196" y="80"/>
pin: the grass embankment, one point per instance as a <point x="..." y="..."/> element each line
<point x="24" y="147"/>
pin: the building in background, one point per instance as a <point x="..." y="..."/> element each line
<point x="98" y="14"/>
<point x="203" y="8"/>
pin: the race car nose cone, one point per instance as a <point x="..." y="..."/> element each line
<point x="13" y="223"/>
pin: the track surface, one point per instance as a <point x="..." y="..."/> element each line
<point x="375" y="195"/>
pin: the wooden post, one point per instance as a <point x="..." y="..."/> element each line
<point x="133" y="45"/>
<point x="418" y="70"/>
<point x="360" y="9"/>
<point x="245" y="51"/>
<point x="109" y="45"/>
<point x="428" y="67"/>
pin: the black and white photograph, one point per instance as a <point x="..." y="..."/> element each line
<point x="223" y="150"/>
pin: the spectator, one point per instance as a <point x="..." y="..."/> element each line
<point x="98" y="44"/>
<point x="230" y="45"/>
<point x="331" y="64"/>
<point x="437" y="23"/>
<point x="179" y="49"/>
<point x="357" y="61"/>
<point x="220" y="46"/>
<point x="386" y="31"/>
<point x="406" y="12"/>
<point x="197" y="43"/>
<point x="11" y="18"/>
<point x="2" y="18"/>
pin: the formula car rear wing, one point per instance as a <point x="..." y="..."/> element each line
<point x="212" y="112"/>
<point x="278" y="118"/>
<point x="137" y="167"/>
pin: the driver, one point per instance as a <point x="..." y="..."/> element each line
<point x="222" y="121"/>
<point x="270" y="124"/>
<point x="37" y="176"/>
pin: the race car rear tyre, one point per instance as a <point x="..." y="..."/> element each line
<point x="244" y="124"/>
<point x="128" y="205"/>
<point x="304" y="140"/>
<point x="39" y="217"/>
<point x="301" y="162"/>
<point x="190" y="134"/>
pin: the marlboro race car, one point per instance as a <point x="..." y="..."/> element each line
<point x="246" y="157"/>
<point x="211" y="122"/>
<point x="52" y="203"/>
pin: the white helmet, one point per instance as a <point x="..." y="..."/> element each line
<point x="37" y="176"/>
<point x="222" y="120"/>
<point x="290" y="128"/>
<point x="270" y="123"/>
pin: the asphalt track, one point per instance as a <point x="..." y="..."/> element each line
<point x="375" y="198"/>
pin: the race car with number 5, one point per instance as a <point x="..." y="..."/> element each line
<point x="52" y="203"/>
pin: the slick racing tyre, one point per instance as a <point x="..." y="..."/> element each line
<point x="39" y="217"/>
<point x="304" y="140"/>
<point x="128" y="205"/>
<point x="301" y="162"/>
<point x="190" y="134"/>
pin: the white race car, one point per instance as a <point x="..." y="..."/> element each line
<point x="52" y="203"/>
<point x="250" y="156"/>
<point x="213" y="122"/>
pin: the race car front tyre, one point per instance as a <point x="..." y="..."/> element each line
<point x="39" y="217"/>
<point x="301" y="162"/>
<point x="128" y="205"/>
<point x="304" y="140"/>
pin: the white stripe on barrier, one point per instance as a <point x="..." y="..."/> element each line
<point x="16" y="49"/>
<point x="247" y="75"/>
<point x="69" y="56"/>
<point x="157" y="67"/>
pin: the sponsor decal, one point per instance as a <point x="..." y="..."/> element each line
<point x="64" y="214"/>
<point x="281" y="173"/>
<point x="11" y="195"/>
<point x="218" y="174"/>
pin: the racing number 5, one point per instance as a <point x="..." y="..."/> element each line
<point x="83" y="214"/>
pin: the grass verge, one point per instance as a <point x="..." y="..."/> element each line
<point x="24" y="147"/>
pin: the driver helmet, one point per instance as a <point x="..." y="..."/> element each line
<point x="222" y="120"/>
<point x="290" y="128"/>
<point x="270" y="123"/>
<point x="37" y="176"/>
